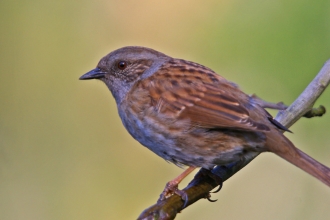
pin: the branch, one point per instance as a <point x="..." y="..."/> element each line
<point x="201" y="185"/>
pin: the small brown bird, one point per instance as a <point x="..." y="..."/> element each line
<point x="189" y="115"/>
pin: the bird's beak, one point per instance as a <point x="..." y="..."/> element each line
<point x="96" y="73"/>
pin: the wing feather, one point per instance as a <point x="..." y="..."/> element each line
<point x="209" y="103"/>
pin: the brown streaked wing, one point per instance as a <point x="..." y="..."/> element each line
<point x="203" y="103"/>
<point x="213" y="111"/>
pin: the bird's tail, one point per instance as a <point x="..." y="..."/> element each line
<point x="285" y="149"/>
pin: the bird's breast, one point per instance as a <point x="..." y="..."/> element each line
<point x="151" y="130"/>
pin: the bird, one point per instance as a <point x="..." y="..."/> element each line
<point x="191" y="116"/>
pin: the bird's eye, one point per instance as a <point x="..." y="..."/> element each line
<point x="121" y="65"/>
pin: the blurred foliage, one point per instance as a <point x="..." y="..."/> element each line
<point x="63" y="151"/>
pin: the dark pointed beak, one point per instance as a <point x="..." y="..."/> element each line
<point x="96" y="73"/>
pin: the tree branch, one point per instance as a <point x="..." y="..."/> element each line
<point x="202" y="184"/>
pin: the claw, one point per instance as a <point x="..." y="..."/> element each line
<point x="209" y="198"/>
<point x="219" y="188"/>
<point x="184" y="197"/>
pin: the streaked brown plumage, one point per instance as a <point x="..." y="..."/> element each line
<point x="189" y="115"/>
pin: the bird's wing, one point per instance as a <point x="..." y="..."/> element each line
<point x="202" y="101"/>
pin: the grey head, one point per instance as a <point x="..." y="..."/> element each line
<point x="122" y="68"/>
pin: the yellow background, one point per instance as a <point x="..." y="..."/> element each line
<point x="63" y="151"/>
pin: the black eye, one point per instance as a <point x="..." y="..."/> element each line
<point x="121" y="65"/>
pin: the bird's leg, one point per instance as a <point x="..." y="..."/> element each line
<point x="172" y="186"/>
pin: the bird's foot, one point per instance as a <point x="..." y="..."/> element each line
<point x="216" y="178"/>
<point x="172" y="187"/>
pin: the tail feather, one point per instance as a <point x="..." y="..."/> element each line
<point x="285" y="149"/>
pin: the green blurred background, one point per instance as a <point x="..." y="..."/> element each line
<point x="63" y="151"/>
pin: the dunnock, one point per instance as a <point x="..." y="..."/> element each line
<point x="189" y="115"/>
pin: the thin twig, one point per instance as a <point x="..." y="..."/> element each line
<point x="201" y="185"/>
